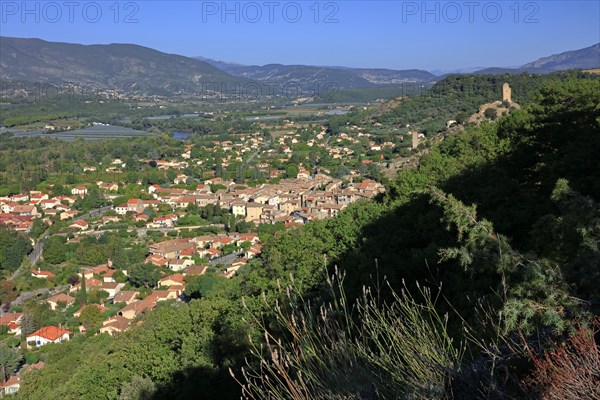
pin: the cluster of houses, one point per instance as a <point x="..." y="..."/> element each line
<point x="229" y="151"/>
<point x="290" y="201"/>
<point x="19" y="210"/>
<point x="178" y="254"/>
<point x="170" y="287"/>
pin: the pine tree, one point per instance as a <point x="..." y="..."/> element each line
<point x="83" y="290"/>
<point x="533" y="290"/>
<point x="9" y="359"/>
<point x="27" y="327"/>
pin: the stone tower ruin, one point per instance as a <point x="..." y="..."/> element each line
<point x="414" y="140"/>
<point x="506" y="93"/>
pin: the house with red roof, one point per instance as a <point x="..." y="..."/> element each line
<point x="97" y="270"/>
<point x="13" y="321"/>
<point x="79" y="191"/>
<point x="132" y="310"/>
<point x="52" y="212"/>
<point x="160" y="222"/>
<point x="203" y="188"/>
<point x="108" y="277"/>
<point x="151" y="203"/>
<point x="172" y="280"/>
<point x="7" y="206"/>
<point x="11" y="386"/>
<point x="248" y="237"/>
<point x="230" y="271"/>
<point x="163" y="295"/>
<point x="62" y="207"/>
<point x="153" y="188"/>
<point x="112" y="288"/>
<point x="135" y="206"/>
<point x="126" y="296"/>
<point x="187" y="253"/>
<point x="108" y="186"/>
<point x="41" y="274"/>
<point x="19" y="197"/>
<point x="171" y="248"/>
<point x="68" y="214"/>
<point x="68" y="199"/>
<point x="24" y="226"/>
<point x="210" y="253"/>
<point x="180" y="264"/>
<point x="141" y="217"/>
<point x="25" y="210"/>
<point x="79" y="224"/>
<point x="222" y="242"/>
<point x="121" y="209"/>
<point x="49" y="203"/>
<point x="253" y="251"/>
<point x="115" y="325"/>
<point x="91" y="283"/>
<point x="47" y="334"/>
<point x="110" y="218"/>
<point x="157" y="260"/>
<point x="59" y="299"/>
<point x="196" y="270"/>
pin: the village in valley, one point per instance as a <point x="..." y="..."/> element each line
<point x="184" y="228"/>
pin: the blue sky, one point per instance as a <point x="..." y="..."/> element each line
<point x="433" y="35"/>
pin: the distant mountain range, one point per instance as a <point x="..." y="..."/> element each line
<point x="586" y="58"/>
<point x="307" y="76"/>
<point x="134" y="67"/>
<point x="342" y="77"/>
<point x="107" y="66"/>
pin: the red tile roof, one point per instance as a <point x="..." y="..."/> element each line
<point x="7" y="318"/>
<point x="61" y="297"/>
<point x="49" y="332"/>
<point x="38" y="272"/>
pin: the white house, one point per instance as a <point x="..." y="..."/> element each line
<point x="79" y="191"/>
<point x="47" y="334"/>
<point x="122" y="209"/>
<point x="11" y="386"/>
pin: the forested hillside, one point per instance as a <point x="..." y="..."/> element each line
<point x="500" y="223"/>
<point x="456" y="97"/>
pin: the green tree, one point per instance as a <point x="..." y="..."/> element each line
<point x="82" y="291"/>
<point x="138" y="388"/>
<point x="8" y="292"/>
<point x="27" y="325"/>
<point x="144" y="275"/>
<point x="91" y="318"/>
<point x="199" y="286"/>
<point x="55" y="249"/>
<point x="292" y="171"/>
<point x="534" y="293"/>
<point x="13" y="248"/>
<point x="490" y="113"/>
<point x="9" y="360"/>
<point x="41" y="313"/>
